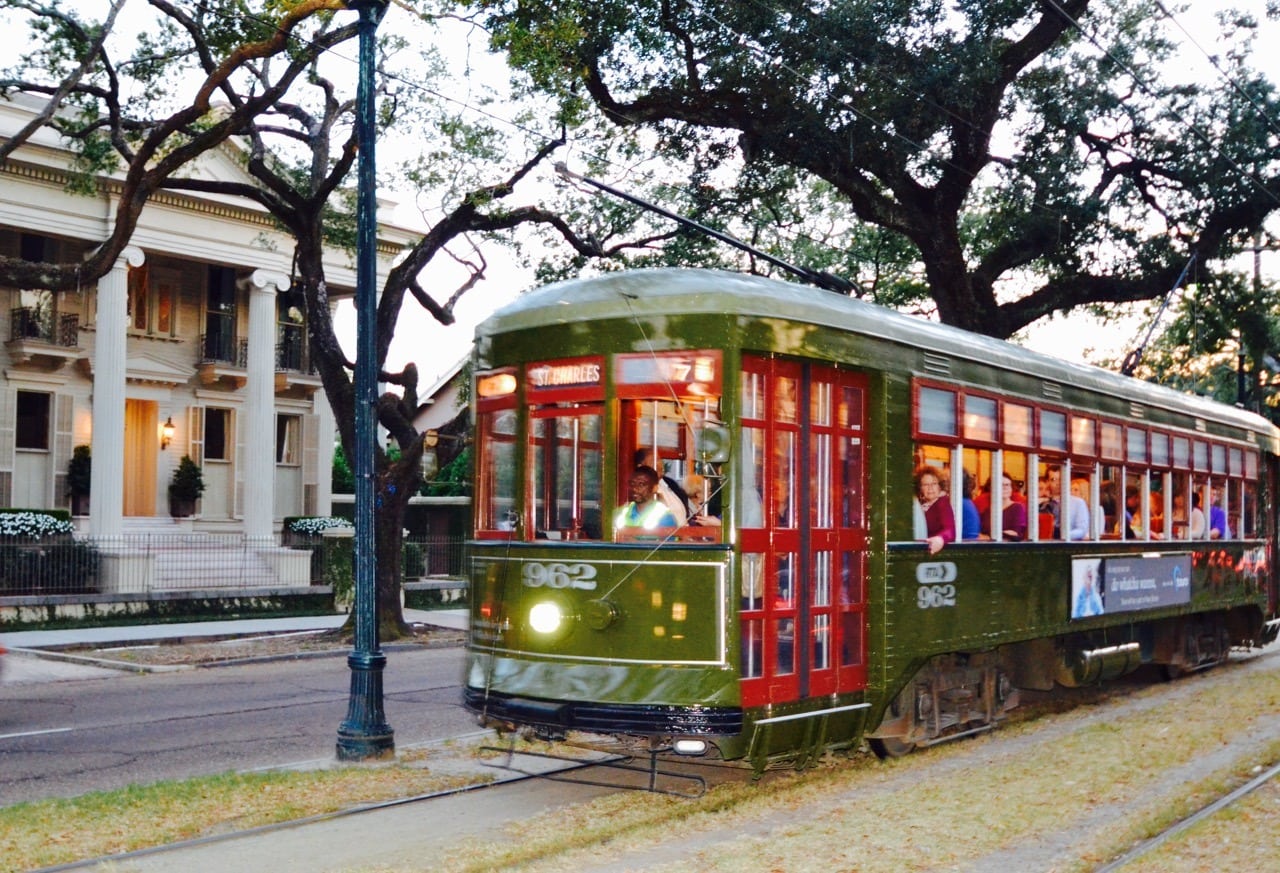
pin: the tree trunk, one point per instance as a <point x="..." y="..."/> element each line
<point x="389" y="551"/>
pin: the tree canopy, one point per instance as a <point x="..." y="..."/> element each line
<point x="1008" y="160"/>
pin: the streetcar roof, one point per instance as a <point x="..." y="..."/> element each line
<point x="681" y="291"/>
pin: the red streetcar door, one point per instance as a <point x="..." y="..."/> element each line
<point x="802" y="519"/>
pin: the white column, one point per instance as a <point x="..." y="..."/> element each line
<point x="106" y="478"/>
<point x="324" y="454"/>
<point x="260" y="406"/>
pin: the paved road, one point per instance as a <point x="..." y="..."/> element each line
<point x="95" y="730"/>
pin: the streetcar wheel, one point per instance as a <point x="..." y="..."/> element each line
<point x="1170" y="672"/>
<point x="890" y="747"/>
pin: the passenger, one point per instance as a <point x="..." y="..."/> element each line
<point x="645" y="514"/>
<point x="1218" y="528"/>
<point x="1109" y="499"/>
<point x="982" y="500"/>
<point x="1143" y="522"/>
<point x="1194" y="524"/>
<point x="970" y="520"/>
<point x="1077" y="509"/>
<point x="939" y="520"/>
<point x="1013" y="515"/>
<point x="1080" y="488"/>
<point x="669" y="490"/>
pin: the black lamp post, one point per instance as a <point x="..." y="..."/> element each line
<point x="365" y="732"/>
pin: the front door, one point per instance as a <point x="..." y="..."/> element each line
<point x="803" y="531"/>
<point x="141" y="447"/>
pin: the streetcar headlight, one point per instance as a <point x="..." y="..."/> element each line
<point x="546" y="617"/>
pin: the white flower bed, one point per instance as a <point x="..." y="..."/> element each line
<point x="33" y="525"/>
<point x="317" y="525"/>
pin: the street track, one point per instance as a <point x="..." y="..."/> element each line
<point x="551" y="768"/>
<point x="1178" y="827"/>
<point x="262" y="830"/>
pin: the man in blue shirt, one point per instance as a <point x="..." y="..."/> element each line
<point x="1218" y="529"/>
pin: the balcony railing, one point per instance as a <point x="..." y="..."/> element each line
<point x="223" y="348"/>
<point x="56" y="329"/>
<point x="292" y="352"/>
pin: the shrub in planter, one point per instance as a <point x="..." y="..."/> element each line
<point x="79" y="476"/>
<point x="185" y="488"/>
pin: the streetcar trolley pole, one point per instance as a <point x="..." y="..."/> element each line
<point x="365" y="732"/>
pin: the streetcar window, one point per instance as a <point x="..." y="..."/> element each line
<point x="782" y="493"/>
<point x="752" y="649"/>
<point x="1017" y="425"/>
<point x="1053" y="430"/>
<point x="786" y="399"/>
<point x="1136" y="445"/>
<point x="565" y="456"/>
<point x="849" y="448"/>
<point x="753" y="395"/>
<point x="979" y="418"/>
<point x="851" y="597"/>
<point x="1083" y="439"/>
<point x="1159" y="449"/>
<point x="496" y="471"/>
<point x="1181" y="453"/>
<point x="1249" y="510"/>
<point x="675" y="428"/>
<point x="1110" y="501"/>
<point x="1218" y="458"/>
<point x="751" y="470"/>
<point x="1112" y="445"/>
<point x="937" y="411"/>
<point x="1200" y="455"/>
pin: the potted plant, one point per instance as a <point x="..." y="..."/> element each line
<point x="185" y="488"/>
<point x="79" y="470"/>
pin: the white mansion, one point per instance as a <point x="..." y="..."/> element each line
<point x="192" y="345"/>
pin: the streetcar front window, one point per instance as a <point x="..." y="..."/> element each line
<point x="565" y="457"/>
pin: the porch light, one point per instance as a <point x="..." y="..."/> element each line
<point x="166" y="433"/>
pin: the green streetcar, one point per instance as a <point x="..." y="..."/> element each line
<point x="792" y="597"/>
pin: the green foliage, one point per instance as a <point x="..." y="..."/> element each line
<point x="453" y="479"/>
<point x="343" y="479"/>
<point x="79" y="471"/>
<point x="1206" y="331"/>
<point x="188" y="480"/>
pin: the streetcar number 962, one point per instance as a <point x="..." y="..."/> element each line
<point x="933" y="596"/>
<point x="536" y="574"/>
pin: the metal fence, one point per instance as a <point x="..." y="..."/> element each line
<point x="143" y="563"/>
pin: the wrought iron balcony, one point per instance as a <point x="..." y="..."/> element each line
<point x="56" y="329"/>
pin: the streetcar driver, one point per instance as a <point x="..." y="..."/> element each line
<point x="645" y="514"/>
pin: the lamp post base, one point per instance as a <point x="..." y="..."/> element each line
<point x="365" y="733"/>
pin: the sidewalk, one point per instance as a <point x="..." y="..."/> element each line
<point x="108" y="636"/>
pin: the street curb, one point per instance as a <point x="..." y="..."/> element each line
<point x="106" y="663"/>
<point x="133" y="667"/>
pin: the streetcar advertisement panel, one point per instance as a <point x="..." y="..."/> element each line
<point x="1127" y="583"/>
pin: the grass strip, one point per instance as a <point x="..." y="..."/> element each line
<point x="50" y="832"/>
